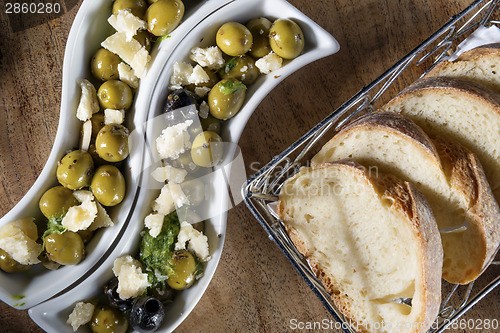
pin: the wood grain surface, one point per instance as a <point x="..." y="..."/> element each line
<point x="255" y="288"/>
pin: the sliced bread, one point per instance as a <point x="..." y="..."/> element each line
<point x="369" y="241"/>
<point x="460" y="110"/>
<point x="481" y="65"/>
<point x="450" y="177"/>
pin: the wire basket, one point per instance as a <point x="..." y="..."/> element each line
<point x="263" y="187"/>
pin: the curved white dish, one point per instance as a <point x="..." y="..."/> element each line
<point x="52" y="315"/>
<point x="89" y="29"/>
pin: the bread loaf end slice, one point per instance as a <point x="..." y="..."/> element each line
<point x="369" y="241"/>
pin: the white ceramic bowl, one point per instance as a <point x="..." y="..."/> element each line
<point x="89" y="29"/>
<point x="52" y="315"/>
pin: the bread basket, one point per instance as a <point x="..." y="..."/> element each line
<point x="263" y="188"/>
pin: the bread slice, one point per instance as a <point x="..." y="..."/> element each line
<point x="460" y="110"/>
<point x="481" y="65"/>
<point x="450" y="177"/>
<point x="369" y="241"/>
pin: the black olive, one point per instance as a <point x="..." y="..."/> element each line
<point x="147" y="314"/>
<point x="180" y="98"/>
<point x="113" y="297"/>
<point x="163" y="293"/>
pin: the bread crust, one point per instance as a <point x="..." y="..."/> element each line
<point x="411" y="204"/>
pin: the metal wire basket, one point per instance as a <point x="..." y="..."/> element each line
<point x="264" y="187"/>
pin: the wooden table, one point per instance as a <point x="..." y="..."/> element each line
<point x="255" y="288"/>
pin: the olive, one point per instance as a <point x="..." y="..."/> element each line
<point x="240" y="68"/>
<point x="95" y="156"/>
<point x="144" y="38"/>
<point x="179" y="99"/>
<point x="211" y="124"/>
<point x="213" y="79"/>
<point x="184" y="161"/>
<point x="66" y="248"/>
<point x="226" y="98"/>
<point x="184" y="268"/>
<point x="163" y="16"/>
<point x="112" y="143"/>
<point x="137" y="7"/>
<point x="115" y="94"/>
<point x="104" y="65"/>
<point x="97" y="121"/>
<point x="286" y="38"/>
<point x="234" y="39"/>
<point x="74" y="171"/>
<point x="207" y="150"/>
<point x="259" y="27"/>
<point x="9" y="265"/>
<point x="194" y="189"/>
<point x="106" y="319"/>
<point x="56" y="201"/>
<point x="110" y="290"/>
<point x="47" y="262"/>
<point x="86" y="235"/>
<point x="147" y="314"/>
<point x="108" y="185"/>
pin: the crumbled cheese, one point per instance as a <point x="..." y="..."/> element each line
<point x="171" y="197"/>
<point x="89" y="103"/>
<point x="204" y="110"/>
<point x="81" y="315"/>
<point x="86" y="135"/>
<point x="210" y="57"/>
<point x="269" y="63"/>
<point x="131" y="281"/>
<point x="132" y="52"/>
<point x="127" y="75"/>
<point x="201" y="91"/>
<point x="197" y="241"/>
<point x="181" y="74"/>
<point x="198" y="76"/>
<point x="114" y="116"/>
<point x="81" y="217"/>
<point x="174" y="140"/>
<point x="18" y="239"/>
<point x="170" y="174"/>
<point x="154" y="223"/>
<point x="127" y="23"/>
<point x="102" y="220"/>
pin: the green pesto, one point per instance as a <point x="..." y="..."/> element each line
<point x="228" y="87"/>
<point x="230" y="65"/>
<point x="18" y="297"/>
<point x="162" y="38"/>
<point x="53" y="226"/>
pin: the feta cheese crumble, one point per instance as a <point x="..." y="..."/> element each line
<point x="170" y="174"/>
<point x="171" y="197"/>
<point x="127" y="75"/>
<point x="81" y="315"/>
<point x="174" y="140"/>
<point x="204" y="110"/>
<point x="269" y="63"/>
<point x="154" y="222"/>
<point x="210" y="57"/>
<point x="196" y="240"/>
<point x="112" y="116"/>
<point x="89" y="103"/>
<point x="132" y="52"/>
<point x="132" y="282"/>
<point x="127" y="23"/>
<point x="18" y="239"/>
<point x="81" y="217"/>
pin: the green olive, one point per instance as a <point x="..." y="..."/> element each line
<point x="86" y="235"/>
<point x="226" y="98"/>
<point x="234" y="39"/>
<point x="56" y="201"/>
<point x="97" y="121"/>
<point x="9" y="265"/>
<point x="47" y="262"/>
<point x="185" y="162"/>
<point x="286" y="38"/>
<point x="259" y="28"/>
<point x="115" y="94"/>
<point x="66" y="248"/>
<point x="95" y="156"/>
<point x="108" y="185"/>
<point x="75" y="170"/>
<point x="137" y="7"/>
<point x="240" y="68"/>
<point x="211" y="124"/>
<point x="104" y="65"/>
<point x="213" y="79"/>
<point x="106" y="320"/>
<point x="144" y="38"/>
<point x="163" y="16"/>
<point x="207" y="150"/>
<point x="184" y="270"/>
<point x="112" y="143"/>
<point x="194" y="189"/>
